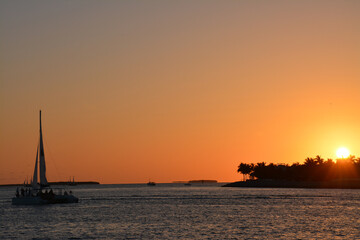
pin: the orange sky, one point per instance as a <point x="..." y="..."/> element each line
<point x="139" y="90"/>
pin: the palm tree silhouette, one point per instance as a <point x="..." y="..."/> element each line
<point x="245" y="169"/>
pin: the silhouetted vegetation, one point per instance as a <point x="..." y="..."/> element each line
<point x="313" y="169"/>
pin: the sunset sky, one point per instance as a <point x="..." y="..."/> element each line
<point x="175" y="90"/>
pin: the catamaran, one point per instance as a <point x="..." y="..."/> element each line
<point x="40" y="191"/>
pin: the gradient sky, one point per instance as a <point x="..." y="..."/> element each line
<point x="175" y="90"/>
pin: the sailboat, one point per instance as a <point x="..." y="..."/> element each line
<point x="72" y="182"/>
<point x="40" y="191"/>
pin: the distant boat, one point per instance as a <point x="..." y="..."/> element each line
<point x="40" y="192"/>
<point x="26" y="183"/>
<point x="187" y="184"/>
<point x="72" y="182"/>
<point x="151" y="183"/>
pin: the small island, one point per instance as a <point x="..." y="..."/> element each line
<point x="313" y="173"/>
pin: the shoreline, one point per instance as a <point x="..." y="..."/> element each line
<point x="269" y="183"/>
<point x="54" y="183"/>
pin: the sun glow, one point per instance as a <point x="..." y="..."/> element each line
<point x="342" y="152"/>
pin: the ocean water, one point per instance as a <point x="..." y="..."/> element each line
<point x="175" y="211"/>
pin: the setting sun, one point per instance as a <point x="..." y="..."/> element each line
<point x="342" y="152"/>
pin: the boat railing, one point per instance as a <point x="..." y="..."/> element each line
<point x="26" y="192"/>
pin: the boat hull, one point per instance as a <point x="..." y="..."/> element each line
<point x="36" y="200"/>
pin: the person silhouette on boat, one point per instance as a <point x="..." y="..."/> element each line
<point x="17" y="192"/>
<point x="40" y="193"/>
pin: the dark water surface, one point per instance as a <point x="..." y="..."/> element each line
<point x="175" y="211"/>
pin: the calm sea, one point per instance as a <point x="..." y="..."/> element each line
<point x="175" y="211"/>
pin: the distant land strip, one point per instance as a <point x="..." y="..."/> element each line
<point x="269" y="183"/>
<point x="55" y="183"/>
<point x="196" y="181"/>
<point x="203" y="181"/>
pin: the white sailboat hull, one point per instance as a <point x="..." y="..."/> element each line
<point x="28" y="201"/>
<point x="37" y="200"/>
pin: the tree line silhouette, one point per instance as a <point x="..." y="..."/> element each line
<point x="313" y="169"/>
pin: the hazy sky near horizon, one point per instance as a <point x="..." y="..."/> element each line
<point x="175" y="90"/>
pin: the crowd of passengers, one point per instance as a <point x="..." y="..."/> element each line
<point x="27" y="192"/>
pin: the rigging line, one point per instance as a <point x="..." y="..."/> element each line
<point x="31" y="165"/>
<point x="32" y="173"/>
<point x="52" y="159"/>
